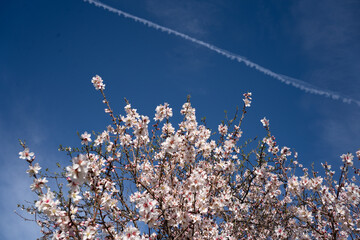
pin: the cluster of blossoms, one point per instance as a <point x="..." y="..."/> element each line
<point x="247" y="99"/>
<point x="165" y="182"/>
<point x="98" y="83"/>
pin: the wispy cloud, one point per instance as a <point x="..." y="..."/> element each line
<point x="14" y="181"/>
<point x="297" y="83"/>
<point x="14" y="188"/>
<point x="186" y="16"/>
<point x="341" y="133"/>
<point x="330" y="37"/>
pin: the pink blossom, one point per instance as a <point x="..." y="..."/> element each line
<point x="26" y="154"/>
<point x="247" y="99"/>
<point x="347" y="159"/>
<point x="85" y="138"/>
<point x="98" y="83"/>
<point x="265" y="122"/>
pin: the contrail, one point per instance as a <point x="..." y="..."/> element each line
<point x="307" y="87"/>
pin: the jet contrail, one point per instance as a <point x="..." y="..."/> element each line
<point x="307" y="87"/>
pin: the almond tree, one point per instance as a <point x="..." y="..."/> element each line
<point x="135" y="181"/>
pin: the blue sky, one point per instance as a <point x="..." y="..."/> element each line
<point x="51" y="49"/>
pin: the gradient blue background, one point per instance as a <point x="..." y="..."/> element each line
<point x="49" y="50"/>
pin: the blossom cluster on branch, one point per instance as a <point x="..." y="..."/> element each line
<point x="161" y="181"/>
